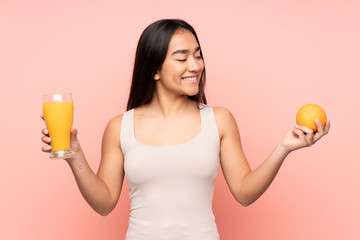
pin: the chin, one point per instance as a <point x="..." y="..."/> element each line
<point x="193" y="93"/>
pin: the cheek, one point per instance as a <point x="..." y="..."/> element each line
<point x="202" y="65"/>
<point x="173" y="70"/>
<point x="202" y="70"/>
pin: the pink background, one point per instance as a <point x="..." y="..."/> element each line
<point x="264" y="60"/>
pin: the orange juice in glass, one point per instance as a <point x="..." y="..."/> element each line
<point x="58" y="114"/>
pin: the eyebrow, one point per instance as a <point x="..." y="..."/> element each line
<point x="184" y="51"/>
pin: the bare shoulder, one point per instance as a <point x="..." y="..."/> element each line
<point x="222" y="113"/>
<point x="223" y="116"/>
<point x="113" y="128"/>
<point x="225" y="120"/>
<point x="115" y="122"/>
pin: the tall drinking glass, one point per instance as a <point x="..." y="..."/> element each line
<point x="58" y="114"/>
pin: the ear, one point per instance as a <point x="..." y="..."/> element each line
<point x="157" y="76"/>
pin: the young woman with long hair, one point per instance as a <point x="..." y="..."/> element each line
<point x="169" y="144"/>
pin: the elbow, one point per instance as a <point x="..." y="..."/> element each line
<point x="104" y="211"/>
<point x="245" y="202"/>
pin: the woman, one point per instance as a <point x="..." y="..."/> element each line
<point x="169" y="145"/>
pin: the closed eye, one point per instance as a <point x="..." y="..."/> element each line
<point x="184" y="60"/>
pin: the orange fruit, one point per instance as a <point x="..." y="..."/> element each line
<point x="308" y="113"/>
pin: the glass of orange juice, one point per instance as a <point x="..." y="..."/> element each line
<point x="58" y="114"/>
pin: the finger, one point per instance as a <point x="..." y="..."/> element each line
<point x="327" y="127"/>
<point x="301" y="136"/>
<point x="298" y="132"/>
<point x="45" y="131"/>
<point x="309" y="134"/>
<point x="73" y="137"/>
<point x="74" y="131"/>
<point x="46" y="148"/>
<point x="322" y="132"/>
<point x="46" y="139"/>
<point x="319" y="126"/>
<point x="306" y="130"/>
<point x="310" y="138"/>
<point x="42" y="116"/>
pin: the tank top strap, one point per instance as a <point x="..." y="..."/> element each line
<point x="127" y="130"/>
<point x="208" y="122"/>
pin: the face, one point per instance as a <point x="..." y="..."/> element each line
<point x="181" y="70"/>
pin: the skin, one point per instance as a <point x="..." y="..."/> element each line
<point x="171" y="118"/>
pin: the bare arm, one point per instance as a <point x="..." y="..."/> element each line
<point x="245" y="184"/>
<point x="101" y="190"/>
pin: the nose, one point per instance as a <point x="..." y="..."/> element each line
<point x="195" y="65"/>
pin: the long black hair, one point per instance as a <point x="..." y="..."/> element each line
<point x="150" y="55"/>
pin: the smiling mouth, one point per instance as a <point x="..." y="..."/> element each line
<point x="190" y="79"/>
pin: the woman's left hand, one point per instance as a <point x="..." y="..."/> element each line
<point x="301" y="136"/>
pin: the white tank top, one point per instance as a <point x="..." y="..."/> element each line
<point x="171" y="187"/>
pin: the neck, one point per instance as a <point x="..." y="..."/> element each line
<point x="170" y="105"/>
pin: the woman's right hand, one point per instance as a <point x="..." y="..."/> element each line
<point x="74" y="143"/>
